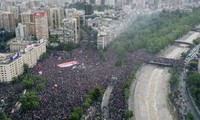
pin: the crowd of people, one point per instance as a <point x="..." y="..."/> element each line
<point x="67" y="87"/>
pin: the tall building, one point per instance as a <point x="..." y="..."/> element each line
<point x="70" y="30"/>
<point x="41" y="25"/>
<point x="88" y="9"/>
<point x="7" y="21"/>
<point x="54" y="18"/>
<point x="92" y="1"/>
<point x="72" y="13"/>
<point x="21" y="31"/>
<point x="77" y="17"/>
<point x="28" y="19"/>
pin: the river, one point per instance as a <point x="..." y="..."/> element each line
<point x="149" y="93"/>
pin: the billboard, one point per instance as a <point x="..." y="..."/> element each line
<point x="40" y="13"/>
<point x="29" y="47"/>
<point x="16" y="55"/>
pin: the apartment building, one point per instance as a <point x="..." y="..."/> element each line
<point x="70" y="30"/>
<point x="22" y="52"/>
<point x="7" y="21"/>
<point x="54" y="18"/>
<point x="41" y="25"/>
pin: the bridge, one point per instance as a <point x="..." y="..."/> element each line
<point x="166" y="62"/>
<point x="182" y="42"/>
<point x="196" y="29"/>
<point x="160" y="64"/>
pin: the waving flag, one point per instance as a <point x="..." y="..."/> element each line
<point x="68" y="64"/>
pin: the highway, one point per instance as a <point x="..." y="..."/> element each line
<point x="149" y="93"/>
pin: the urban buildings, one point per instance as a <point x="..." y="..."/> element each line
<point x="41" y="25"/>
<point x="28" y="19"/>
<point x="72" y="13"/>
<point x="54" y="18"/>
<point x="7" y="21"/>
<point x="88" y="9"/>
<point x="22" y="52"/>
<point x="21" y="31"/>
<point x="70" y="30"/>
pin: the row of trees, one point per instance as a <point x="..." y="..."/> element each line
<point x="127" y="86"/>
<point x="156" y="32"/>
<point x="174" y="79"/>
<point x="193" y="82"/>
<point x="33" y="85"/>
<point x="92" y="96"/>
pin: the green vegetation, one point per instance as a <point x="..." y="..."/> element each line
<point x="196" y="41"/>
<point x="92" y="96"/>
<point x="3" y="116"/>
<point x="192" y="65"/>
<point x="40" y="87"/>
<point x="174" y="80"/>
<point x="33" y="84"/>
<point x="76" y="114"/>
<point x="127" y="86"/>
<point x="3" y="46"/>
<point x="184" y="54"/>
<point x="4" y="37"/>
<point x="29" y="100"/>
<point x="189" y="116"/>
<point x="119" y="63"/>
<point x="193" y="82"/>
<point x="27" y="82"/>
<point x="128" y="83"/>
<point x="26" y="68"/>
<point x="156" y="32"/>
<point x="128" y="114"/>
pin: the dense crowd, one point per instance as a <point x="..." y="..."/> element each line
<point x="67" y="87"/>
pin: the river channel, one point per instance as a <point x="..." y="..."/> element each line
<point x="149" y="92"/>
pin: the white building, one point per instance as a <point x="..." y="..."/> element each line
<point x="21" y="31"/>
<point x="54" y="18"/>
<point x="104" y="38"/>
<point x="22" y="52"/>
<point x="70" y="30"/>
<point x="11" y="65"/>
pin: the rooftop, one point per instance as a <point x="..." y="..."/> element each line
<point x="7" y="57"/>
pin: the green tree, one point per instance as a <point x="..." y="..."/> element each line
<point x="27" y="82"/>
<point x="40" y="87"/>
<point x="193" y="65"/>
<point x="26" y="68"/>
<point x="29" y="100"/>
<point x="128" y="114"/>
<point x="189" y="116"/>
<point x="74" y="116"/>
<point x="97" y="92"/>
<point x="183" y="54"/>
<point x="2" y="115"/>
<point x="196" y="41"/>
